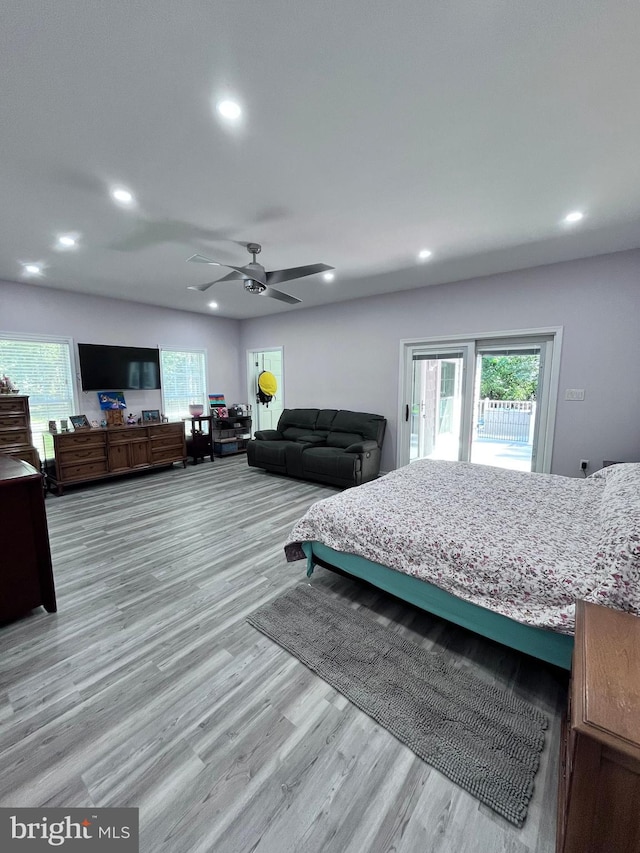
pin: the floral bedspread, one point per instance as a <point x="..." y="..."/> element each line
<point x="521" y="544"/>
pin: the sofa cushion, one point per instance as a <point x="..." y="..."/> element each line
<point x="271" y="454"/>
<point x="330" y="462"/>
<point x="325" y="419"/>
<point x="363" y="424"/>
<point x="343" y="439"/>
<point x="304" y="419"/>
<point x="293" y="433"/>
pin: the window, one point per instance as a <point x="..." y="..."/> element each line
<point x="184" y="381"/>
<point x="40" y="367"/>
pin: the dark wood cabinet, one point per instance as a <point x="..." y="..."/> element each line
<point x="15" y="429"/>
<point x="599" y="785"/>
<point x="200" y="439"/>
<point x="94" y="454"/>
<point x="26" y="576"/>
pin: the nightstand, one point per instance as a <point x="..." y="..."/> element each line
<point x="599" y="785"/>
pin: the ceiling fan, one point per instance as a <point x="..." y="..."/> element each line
<point x="254" y="276"/>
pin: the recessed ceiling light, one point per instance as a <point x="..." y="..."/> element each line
<point x="229" y="110"/>
<point x="423" y="254"/>
<point x="121" y="195"/>
<point x="329" y="276"/>
<point x="574" y="216"/>
<point x="213" y="305"/>
<point x="67" y="241"/>
<point x="32" y="269"/>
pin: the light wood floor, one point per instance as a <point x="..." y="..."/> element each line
<point x="149" y="689"/>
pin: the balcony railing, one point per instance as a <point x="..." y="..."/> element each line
<point x="506" y="420"/>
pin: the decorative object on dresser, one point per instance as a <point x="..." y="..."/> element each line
<point x="26" y="576"/>
<point x="151" y="416"/>
<point x="7" y="386"/>
<point x="599" y="785"/>
<point x="15" y="429"/>
<point x="95" y="454"/>
<point x="79" y="422"/>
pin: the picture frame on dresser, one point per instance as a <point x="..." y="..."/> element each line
<point x="151" y="416"/>
<point x="80" y="421"/>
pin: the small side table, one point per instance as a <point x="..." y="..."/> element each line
<point x="599" y="784"/>
<point x="200" y="443"/>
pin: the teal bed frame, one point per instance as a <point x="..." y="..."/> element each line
<point x="541" y="643"/>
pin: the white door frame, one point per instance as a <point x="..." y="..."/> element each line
<point x="251" y="392"/>
<point x="552" y="336"/>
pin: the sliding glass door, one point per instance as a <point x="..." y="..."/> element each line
<point x="436" y="404"/>
<point x="509" y="381"/>
<point x="489" y="400"/>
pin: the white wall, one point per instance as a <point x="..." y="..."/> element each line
<point x="27" y="308"/>
<point x="347" y="355"/>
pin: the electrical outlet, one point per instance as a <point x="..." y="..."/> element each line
<point x="584" y="464"/>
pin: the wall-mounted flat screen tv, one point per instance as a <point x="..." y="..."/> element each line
<point x="107" y="368"/>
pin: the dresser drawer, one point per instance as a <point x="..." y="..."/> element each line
<point x="82" y="454"/>
<point x="13" y="405"/>
<point x="175" y="439"/>
<point x="13" y="420"/>
<point x="123" y="436"/>
<point x="167" y="454"/>
<point x="14" y="436"/>
<point x="27" y="453"/>
<point x="83" y="471"/>
<point x="80" y="439"/>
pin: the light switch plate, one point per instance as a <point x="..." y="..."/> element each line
<point x="574" y="394"/>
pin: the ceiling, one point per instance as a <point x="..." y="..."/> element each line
<point x="370" y="130"/>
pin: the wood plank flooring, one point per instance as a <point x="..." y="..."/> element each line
<point x="149" y="689"/>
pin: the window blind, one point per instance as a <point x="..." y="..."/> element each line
<point x="183" y="381"/>
<point x="42" y="370"/>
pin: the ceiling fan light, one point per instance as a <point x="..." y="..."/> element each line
<point x="229" y="110"/>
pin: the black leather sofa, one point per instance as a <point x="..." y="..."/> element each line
<point x="332" y="446"/>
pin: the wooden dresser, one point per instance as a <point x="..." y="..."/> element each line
<point x="93" y="454"/>
<point x="15" y="429"/>
<point x="26" y="576"/>
<point x="599" y="786"/>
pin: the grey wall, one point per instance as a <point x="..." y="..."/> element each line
<point x="27" y="308"/>
<point x="347" y="355"/>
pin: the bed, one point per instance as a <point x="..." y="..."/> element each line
<point x="503" y="553"/>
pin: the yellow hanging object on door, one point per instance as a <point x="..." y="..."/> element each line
<point x="267" y="386"/>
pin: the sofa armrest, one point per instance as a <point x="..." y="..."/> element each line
<point x="362" y="447"/>
<point x="268" y="435"/>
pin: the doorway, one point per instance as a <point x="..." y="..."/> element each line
<point x="489" y="400"/>
<point x="265" y="416"/>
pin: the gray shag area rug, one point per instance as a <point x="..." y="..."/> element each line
<point x="479" y="736"/>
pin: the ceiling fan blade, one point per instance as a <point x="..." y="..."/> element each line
<point x="253" y="272"/>
<point x="278" y="276"/>
<point x="235" y="275"/>
<point x="200" y="259"/>
<point x="201" y="287"/>
<point x="278" y="294"/>
<point x="232" y="276"/>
